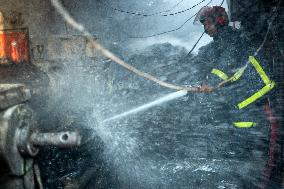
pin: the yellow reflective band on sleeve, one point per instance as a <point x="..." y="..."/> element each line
<point x="259" y="70"/>
<point x="244" y="124"/>
<point x="220" y="74"/>
<point x="238" y="74"/>
<point x="256" y="95"/>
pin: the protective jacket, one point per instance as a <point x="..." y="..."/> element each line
<point x="231" y="57"/>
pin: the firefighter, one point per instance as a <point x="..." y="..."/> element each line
<point x="226" y="51"/>
<point x="231" y="58"/>
<point x="237" y="61"/>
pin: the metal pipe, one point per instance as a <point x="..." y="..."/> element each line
<point x="60" y="139"/>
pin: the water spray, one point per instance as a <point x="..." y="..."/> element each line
<point x="167" y="98"/>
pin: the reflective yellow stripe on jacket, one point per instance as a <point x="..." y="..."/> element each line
<point x="238" y="74"/>
<point x="220" y="74"/>
<point x="244" y="124"/>
<point x="259" y="70"/>
<point x="256" y="95"/>
<point x="268" y="84"/>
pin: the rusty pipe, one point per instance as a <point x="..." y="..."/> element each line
<point x="59" y="139"/>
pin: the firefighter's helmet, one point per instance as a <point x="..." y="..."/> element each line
<point x="217" y="14"/>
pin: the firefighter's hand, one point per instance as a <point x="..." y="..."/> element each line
<point x="205" y="88"/>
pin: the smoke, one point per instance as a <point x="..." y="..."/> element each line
<point x="109" y="25"/>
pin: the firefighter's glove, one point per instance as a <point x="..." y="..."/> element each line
<point x="205" y="89"/>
